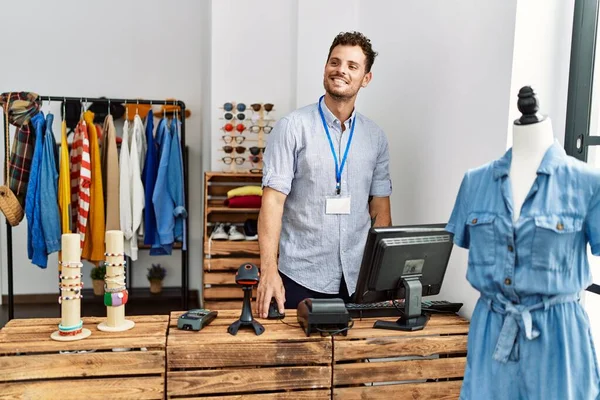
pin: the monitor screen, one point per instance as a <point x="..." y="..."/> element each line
<point x="397" y="252"/>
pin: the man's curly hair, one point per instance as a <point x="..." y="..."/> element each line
<point x="355" y="39"/>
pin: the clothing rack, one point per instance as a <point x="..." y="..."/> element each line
<point x="184" y="256"/>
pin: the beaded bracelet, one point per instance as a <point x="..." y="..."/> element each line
<point x="61" y="285"/>
<point x="76" y="290"/>
<point x="116" y="299"/>
<point x="77" y="276"/>
<point x="75" y="297"/>
<point x="115" y="276"/>
<point x="114" y="254"/>
<point x="121" y="264"/>
<point x="70" y="264"/>
<point x="114" y="290"/>
<point x="70" y="328"/>
<point x="70" y="333"/>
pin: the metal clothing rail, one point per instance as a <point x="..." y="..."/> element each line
<point x="184" y="256"/>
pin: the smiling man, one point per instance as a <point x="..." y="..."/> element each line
<point x="326" y="182"/>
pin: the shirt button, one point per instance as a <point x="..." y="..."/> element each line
<point x="510" y="248"/>
<point x="474" y="221"/>
<point x="559" y="226"/>
<point x="507" y="281"/>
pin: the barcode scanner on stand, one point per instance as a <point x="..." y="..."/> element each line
<point x="247" y="276"/>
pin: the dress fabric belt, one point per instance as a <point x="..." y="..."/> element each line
<point x="518" y="316"/>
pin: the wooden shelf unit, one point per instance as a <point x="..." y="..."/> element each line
<point x="222" y="258"/>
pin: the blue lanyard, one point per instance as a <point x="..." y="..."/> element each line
<point x="338" y="169"/>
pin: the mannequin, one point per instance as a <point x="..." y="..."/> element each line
<point x="532" y="136"/>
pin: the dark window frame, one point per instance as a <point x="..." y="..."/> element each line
<point x="581" y="76"/>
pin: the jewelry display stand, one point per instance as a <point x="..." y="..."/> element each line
<point x="71" y="326"/>
<point x="115" y="296"/>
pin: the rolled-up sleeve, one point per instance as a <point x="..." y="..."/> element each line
<point x="279" y="160"/>
<point x="592" y="225"/>
<point x="456" y="224"/>
<point x="381" y="185"/>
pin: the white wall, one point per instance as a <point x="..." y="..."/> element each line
<point x="542" y="52"/>
<point x="147" y="49"/>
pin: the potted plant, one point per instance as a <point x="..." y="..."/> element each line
<point x="97" y="274"/>
<point x="155" y="275"/>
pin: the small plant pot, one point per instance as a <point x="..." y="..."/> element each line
<point x="98" y="287"/>
<point x="155" y="286"/>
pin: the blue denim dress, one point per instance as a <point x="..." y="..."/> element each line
<point x="529" y="337"/>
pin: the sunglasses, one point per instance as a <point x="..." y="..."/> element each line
<point x="238" y="149"/>
<point x="254" y="150"/>
<point x="229" y="116"/>
<point x="229" y="127"/>
<point x="258" y="128"/>
<point x="268" y="107"/>
<point x="241" y="107"/>
<point x="229" y="160"/>
<point x="254" y="159"/>
<point x="230" y="139"/>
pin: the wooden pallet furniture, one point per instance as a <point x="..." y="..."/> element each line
<point x="376" y="363"/>
<point x="111" y="365"/>
<point x="282" y="363"/>
<point x="221" y="258"/>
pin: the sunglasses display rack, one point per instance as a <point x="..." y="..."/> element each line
<point x="242" y="141"/>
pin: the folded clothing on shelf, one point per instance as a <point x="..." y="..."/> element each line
<point x="252" y="201"/>
<point x="245" y="191"/>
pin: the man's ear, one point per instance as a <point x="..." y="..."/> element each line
<point x="366" y="79"/>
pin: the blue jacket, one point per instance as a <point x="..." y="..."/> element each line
<point x="161" y="199"/>
<point x="36" y="246"/>
<point x="48" y="191"/>
<point x="149" y="179"/>
<point x="175" y="182"/>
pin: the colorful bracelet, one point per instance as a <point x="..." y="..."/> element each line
<point x="114" y="290"/>
<point x="75" y="297"/>
<point x="71" y="333"/>
<point x="114" y="276"/>
<point x="114" y="254"/>
<point x="61" y="285"/>
<point x="76" y="290"/>
<point x="70" y="328"/>
<point x="61" y="276"/>
<point x="70" y="264"/>
<point x="121" y="264"/>
<point x="116" y="299"/>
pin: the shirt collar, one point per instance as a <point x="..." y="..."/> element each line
<point x="330" y="118"/>
<point x="550" y="161"/>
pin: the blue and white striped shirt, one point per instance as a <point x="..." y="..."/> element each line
<point x="316" y="248"/>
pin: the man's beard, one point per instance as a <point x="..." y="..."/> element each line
<point x="337" y="95"/>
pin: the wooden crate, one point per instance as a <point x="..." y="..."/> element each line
<point x="32" y="366"/>
<point x="377" y="363"/>
<point x="222" y="258"/>
<point x="282" y="363"/>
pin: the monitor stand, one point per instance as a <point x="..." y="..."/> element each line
<point x="411" y="318"/>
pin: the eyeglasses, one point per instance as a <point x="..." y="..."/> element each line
<point x="241" y="107"/>
<point x="230" y="139"/>
<point x="238" y="160"/>
<point x="258" y="128"/>
<point x="254" y="150"/>
<point x="256" y="170"/>
<point x="268" y="107"/>
<point x="238" y="149"/>
<point x="229" y="116"/>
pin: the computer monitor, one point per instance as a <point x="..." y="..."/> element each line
<point x="403" y="262"/>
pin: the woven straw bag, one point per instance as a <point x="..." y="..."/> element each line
<point x="9" y="204"/>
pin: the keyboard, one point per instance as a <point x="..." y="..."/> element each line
<point x="391" y="308"/>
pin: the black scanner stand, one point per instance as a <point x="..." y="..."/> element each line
<point x="246" y="318"/>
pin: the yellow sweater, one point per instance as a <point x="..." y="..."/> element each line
<point x="93" y="246"/>
<point x="64" y="182"/>
<point x="245" y="191"/>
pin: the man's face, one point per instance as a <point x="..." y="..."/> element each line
<point x="345" y="72"/>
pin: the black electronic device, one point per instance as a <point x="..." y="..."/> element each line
<point x="403" y="262"/>
<point x="323" y="315"/>
<point x="274" y="311"/>
<point x="247" y="276"/>
<point x="195" y="320"/>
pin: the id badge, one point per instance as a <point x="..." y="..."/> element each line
<point x="337" y="205"/>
